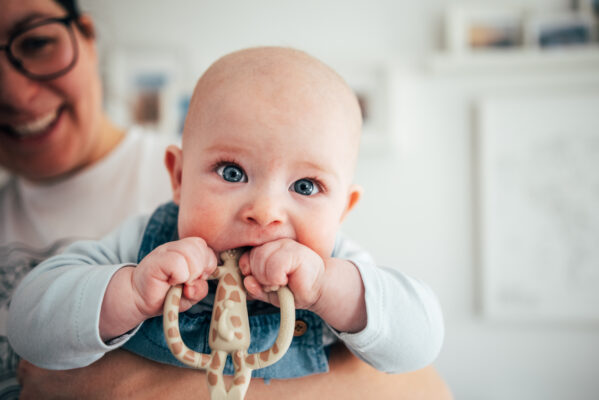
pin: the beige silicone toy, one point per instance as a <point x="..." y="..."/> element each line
<point x="229" y="331"/>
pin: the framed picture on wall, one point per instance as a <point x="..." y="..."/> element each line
<point x="144" y="88"/>
<point x="538" y="192"/>
<point x="482" y="26"/>
<point x="558" y="30"/>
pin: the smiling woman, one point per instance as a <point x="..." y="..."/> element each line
<point x="73" y="174"/>
<point x="50" y="104"/>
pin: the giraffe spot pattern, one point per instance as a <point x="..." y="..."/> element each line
<point x="212" y="378"/>
<point x="214" y="333"/>
<point x="250" y="359"/>
<point x="217" y="312"/>
<point x="236" y="321"/>
<point x="221" y="293"/>
<point x="275" y="348"/>
<point x="215" y="361"/>
<point x="265" y="355"/>
<point x="238" y="335"/>
<point x="189" y="356"/>
<point x="205" y="359"/>
<point x="177" y="347"/>
<point x="175" y="300"/>
<point x="172" y="316"/>
<point x="173" y="332"/>
<point x="235" y="296"/>
<point x="240" y="380"/>
<point x="229" y="280"/>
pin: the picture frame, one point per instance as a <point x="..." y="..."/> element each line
<point x="144" y="88"/>
<point x="559" y="30"/>
<point x="471" y="28"/>
<point x="536" y="198"/>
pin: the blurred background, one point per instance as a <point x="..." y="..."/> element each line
<point x="480" y="156"/>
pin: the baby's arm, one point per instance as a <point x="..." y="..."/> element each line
<point x="389" y="320"/>
<point x="405" y="324"/>
<point x="54" y="313"/>
<point x="317" y="284"/>
<point x="135" y="294"/>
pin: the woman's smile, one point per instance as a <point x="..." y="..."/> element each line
<point x="34" y="128"/>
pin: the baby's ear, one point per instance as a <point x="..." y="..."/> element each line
<point x="174" y="164"/>
<point x="354" y="194"/>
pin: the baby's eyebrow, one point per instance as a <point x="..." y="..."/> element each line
<point x="313" y="165"/>
<point x="319" y="168"/>
<point x="227" y="148"/>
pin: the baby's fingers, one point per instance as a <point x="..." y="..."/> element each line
<point x="256" y="291"/>
<point x="199" y="260"/>
<point x="193" y="292"/>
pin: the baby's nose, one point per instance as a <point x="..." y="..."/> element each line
<point x="264" y="210"/>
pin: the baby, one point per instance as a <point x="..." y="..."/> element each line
<point x="267" y="162"/>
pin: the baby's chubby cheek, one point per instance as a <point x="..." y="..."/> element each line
<point x="322" y="245"/>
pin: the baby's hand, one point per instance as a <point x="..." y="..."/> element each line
<point x="187" y="261"/>
<point x="279" y="263"/>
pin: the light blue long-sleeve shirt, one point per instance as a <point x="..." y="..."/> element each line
<point x="55" y="312"/>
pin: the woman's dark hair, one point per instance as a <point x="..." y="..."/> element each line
<point x="70" y="6"/>
<point x="72" y="10"/>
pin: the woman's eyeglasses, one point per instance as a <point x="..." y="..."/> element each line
<point x="44" y="50"/>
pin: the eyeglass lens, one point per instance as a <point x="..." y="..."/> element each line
<point x="44" y="49"/>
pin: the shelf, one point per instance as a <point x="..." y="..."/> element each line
<point x="564" y="58"/>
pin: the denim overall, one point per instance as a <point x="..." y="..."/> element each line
<point x="305" y="356"/>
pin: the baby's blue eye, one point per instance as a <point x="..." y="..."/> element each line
<point x="305" y="187"/>
<point x="231" y="173"/>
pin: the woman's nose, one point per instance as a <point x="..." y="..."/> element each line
<point x="264" y="210"/>
<point x="16" y="90"/>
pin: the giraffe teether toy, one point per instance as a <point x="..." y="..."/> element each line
<point x="229" y="331"/>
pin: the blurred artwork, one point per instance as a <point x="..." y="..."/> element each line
<point x="538" y="165"/>
<point x="558" y="30"/>
<point x="481" y="35"/>
<point x="144" y="88"/>
<point x="147" y="100"/>
<point x="483" y="26"/>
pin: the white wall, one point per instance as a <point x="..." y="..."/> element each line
<point x="434" y="219"/>
<point x="329" y="29"/>
<point x="417" y="209"/>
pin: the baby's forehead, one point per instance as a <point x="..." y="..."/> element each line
<point x="281" y="70"/>
<point x="276" y="84"/>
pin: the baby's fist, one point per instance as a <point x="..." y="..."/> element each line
<point x="187" y="261"/>
<point x="279" y="263"/>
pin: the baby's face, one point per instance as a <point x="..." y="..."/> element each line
<point x="258" y="169"/>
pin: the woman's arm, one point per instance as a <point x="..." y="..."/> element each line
<point x="120" y="374"/>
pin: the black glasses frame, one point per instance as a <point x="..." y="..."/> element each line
<point x="18" y="64"/>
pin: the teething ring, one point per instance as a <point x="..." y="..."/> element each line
<point x="194" y="359"/>
<point x="229" y="331"/>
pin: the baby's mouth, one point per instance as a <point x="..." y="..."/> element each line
<point x="34" y="127"/>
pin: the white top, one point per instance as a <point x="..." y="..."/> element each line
<point x="55" y="312"/>
<point x="133" y="174"/>
<point x="37" y="220"/>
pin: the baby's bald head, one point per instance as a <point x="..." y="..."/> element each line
<point x="289" y="84"/>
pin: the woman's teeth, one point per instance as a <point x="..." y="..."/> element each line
<point x="35" y="127"/>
